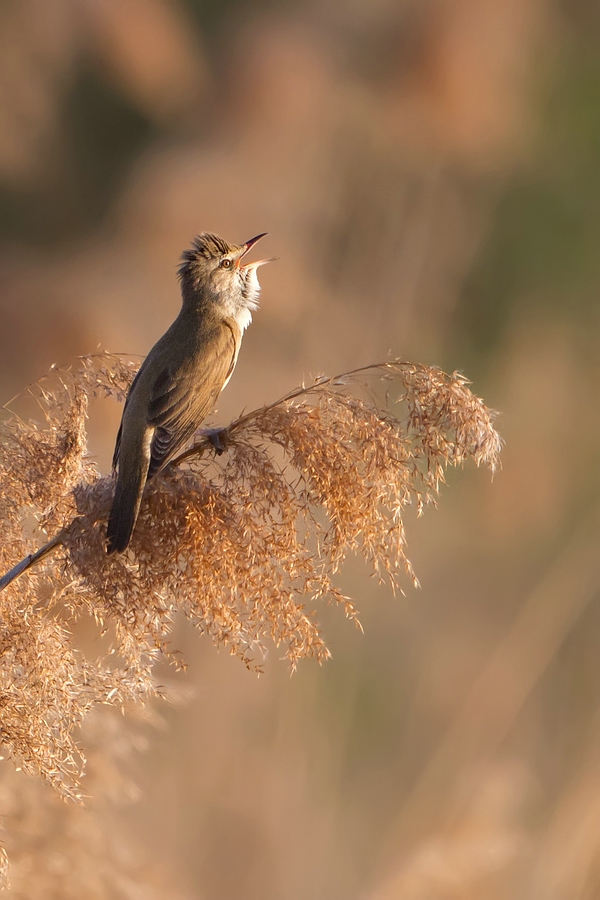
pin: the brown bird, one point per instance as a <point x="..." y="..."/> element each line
<point x="184" y="373"/>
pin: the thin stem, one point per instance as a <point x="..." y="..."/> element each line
<point x="303" y="390"/>
<point x="32" y="559"/>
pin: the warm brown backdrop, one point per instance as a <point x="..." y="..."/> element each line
<point x="429" y="174"/>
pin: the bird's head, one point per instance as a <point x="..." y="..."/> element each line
<point x="212" y="270"/>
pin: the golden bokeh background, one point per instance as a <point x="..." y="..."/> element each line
<point x="429" y="175"/>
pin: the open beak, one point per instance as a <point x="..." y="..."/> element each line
<point x="246" y="247"/>
<point x="255" y="265"/>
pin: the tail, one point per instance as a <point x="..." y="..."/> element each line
<point x="126" y="504"/>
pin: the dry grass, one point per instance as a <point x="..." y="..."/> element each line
<point x="243" y="544"/>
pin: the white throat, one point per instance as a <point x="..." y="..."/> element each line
<point x="243" y="317"/>
<point x="250" y="294"/>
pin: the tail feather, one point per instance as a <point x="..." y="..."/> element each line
<point x="133" y="461"/>
<point x="121" y="521"/>
<point x="133" y="471"/>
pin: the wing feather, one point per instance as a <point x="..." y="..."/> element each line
<point x="182" y="399"/>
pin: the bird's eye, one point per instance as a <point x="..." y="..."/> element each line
<point x="225" y="264"/>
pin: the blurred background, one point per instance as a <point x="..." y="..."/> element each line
<point x="429" y="175"/>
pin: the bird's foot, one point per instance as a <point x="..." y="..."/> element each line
<point x="218" y="438"/>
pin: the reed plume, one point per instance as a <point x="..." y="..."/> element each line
<point x="244" y="544"/>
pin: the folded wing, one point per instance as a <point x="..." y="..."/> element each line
<point x="180" y="401"/>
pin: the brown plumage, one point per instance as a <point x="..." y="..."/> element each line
<point x="184" y="373"/>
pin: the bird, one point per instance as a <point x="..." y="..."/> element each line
<point x="178" y="383"/>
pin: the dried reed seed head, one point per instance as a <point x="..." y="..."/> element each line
<point x="239" y="544"/>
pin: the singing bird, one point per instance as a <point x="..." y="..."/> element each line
<point x="184" y="373"/>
